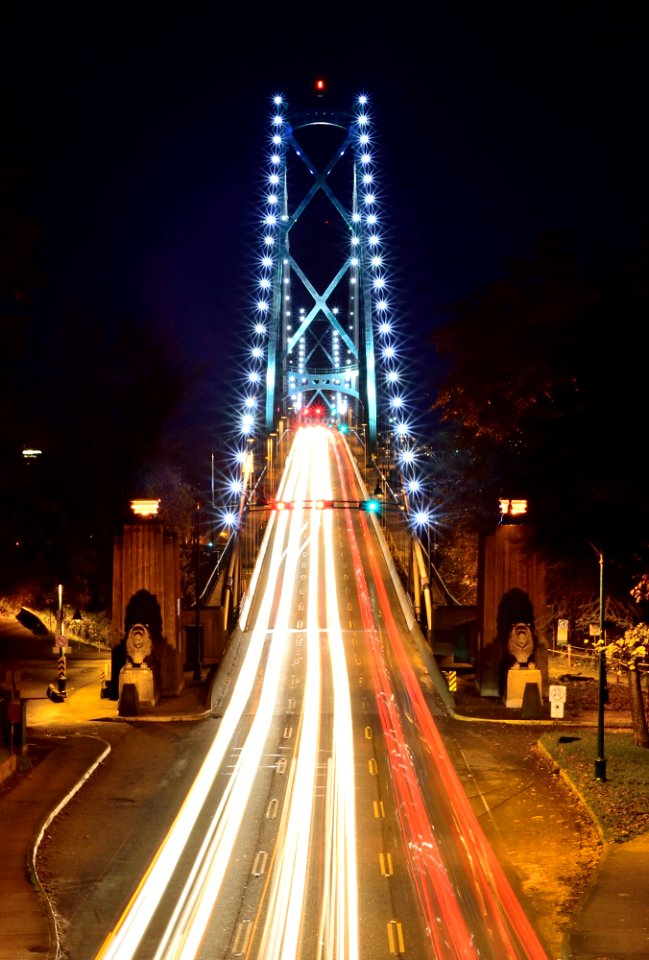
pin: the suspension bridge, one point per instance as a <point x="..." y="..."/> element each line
<point x="326" y="819"/>
<point x="322" y="346"/>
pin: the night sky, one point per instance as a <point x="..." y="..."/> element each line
<point x="145" y="130"/>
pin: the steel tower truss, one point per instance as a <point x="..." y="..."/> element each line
<point x="324" y="335"/>
<point x="318" y="303"/>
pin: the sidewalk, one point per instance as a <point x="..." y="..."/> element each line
<point x="28" y="807"/>
<point x="612" y="922"/>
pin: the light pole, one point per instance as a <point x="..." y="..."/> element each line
<point x="198" y="666"/>
<point x="600" y="760"/>
<point x="213" y="514"/>
<point x="422" y="521"/>
<point x="271" y="446"/>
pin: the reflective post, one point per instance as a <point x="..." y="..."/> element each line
<point x="62" y="677"/>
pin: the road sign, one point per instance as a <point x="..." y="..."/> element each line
<point x="60" y="641"/>
<point x="557" y="697"/>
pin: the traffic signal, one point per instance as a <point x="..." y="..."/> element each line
<point x="323" y="504"/>
<point x="280" y="505"/>
<point x="370" y="506"/>
<point x="343" y="428"/>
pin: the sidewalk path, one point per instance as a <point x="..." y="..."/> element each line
<point x="25" y="813"/>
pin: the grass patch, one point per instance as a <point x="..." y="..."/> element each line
<point x="621" y="804"/>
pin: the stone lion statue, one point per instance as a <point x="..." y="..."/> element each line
<point x="138" y="644"/>
<point x="521" y="643"/>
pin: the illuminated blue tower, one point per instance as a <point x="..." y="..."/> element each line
<point x="324" y="341"/>
<point x="322" y="308"/>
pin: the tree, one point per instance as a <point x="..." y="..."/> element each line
<point x="629" y="652"/>
<point x="541" y="375"/>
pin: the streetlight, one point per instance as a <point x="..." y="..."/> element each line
<point x="422" y="519"/>
<point x="600" y="760"/>
<point x="425" y="519"/>
<point x="197" y="621"/>
<point x="271" y="447"/>
<point x="212" y="492"/>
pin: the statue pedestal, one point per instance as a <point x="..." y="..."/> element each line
<point x="517" y="679"/>
<point x="144" y="682"/>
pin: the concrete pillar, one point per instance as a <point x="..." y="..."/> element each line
<point x="146" y="589"/>
<point x="511" y="589"/>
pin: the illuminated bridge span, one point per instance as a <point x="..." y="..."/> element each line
<point x="327" y="821"/>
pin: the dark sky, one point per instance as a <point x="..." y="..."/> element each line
<point x="145" y="129"/>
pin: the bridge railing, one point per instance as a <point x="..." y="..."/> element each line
<point x="411" y="554"/>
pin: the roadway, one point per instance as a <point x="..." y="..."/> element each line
<point x="326" y="819"/>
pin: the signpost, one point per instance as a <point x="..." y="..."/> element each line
<point x="59" y="693"/>
<point x="557" y="695"/>
<point x="562" y="633"/>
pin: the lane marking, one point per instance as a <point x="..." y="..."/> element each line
<point x="259" y="864"/>
<point x="395" y="937"/>
<point x="242" y="938"/>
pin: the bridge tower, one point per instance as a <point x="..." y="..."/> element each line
<point x="323" y="343"/>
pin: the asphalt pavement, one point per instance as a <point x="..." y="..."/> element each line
<point x="611" y="922"/>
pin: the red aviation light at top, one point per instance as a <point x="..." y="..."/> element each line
<point x="320" y="87"/>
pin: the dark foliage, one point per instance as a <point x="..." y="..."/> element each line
<point x="93" y="394"/>
<point x="543" y="394"/>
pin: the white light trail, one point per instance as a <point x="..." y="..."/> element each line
<point x="284" y="902"/>
<point x="124" y="940"/>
